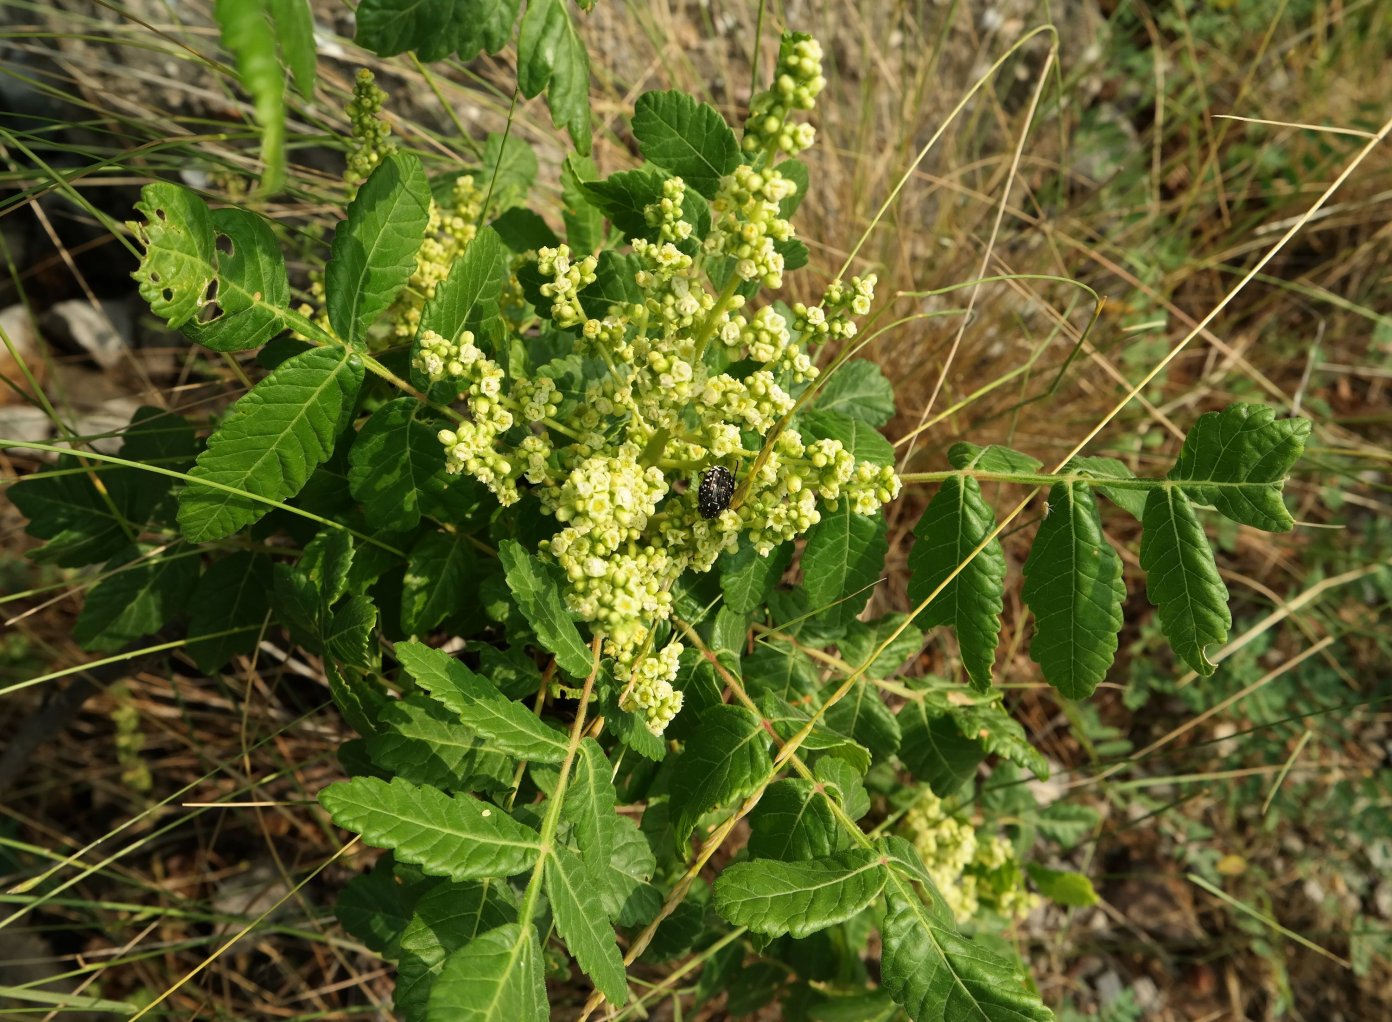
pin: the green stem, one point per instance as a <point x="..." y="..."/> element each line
<point x="553" y="807"/>
<point x="722" y="305"/>
<point x="1046" y="479"/>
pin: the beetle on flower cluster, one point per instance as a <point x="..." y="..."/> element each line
<point x="660" y="388"/>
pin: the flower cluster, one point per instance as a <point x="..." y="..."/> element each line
<point x="368" y="132"/>
<point x="834" y="317"/>
<point x="747" y="226"/>
<point x="448" y="232"/>
<point x="973" y="871"/>
<point x="611" y="412"/>
<point x="649" y="690"/>
<point x="797" y="82"/>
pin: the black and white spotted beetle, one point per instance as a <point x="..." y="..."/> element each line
<point x="717" y="487"/>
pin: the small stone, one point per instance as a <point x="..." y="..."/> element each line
<point x="102" y="331"/>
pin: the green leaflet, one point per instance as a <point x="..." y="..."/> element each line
<point x="459" y="837"/>
<point x="792" y="822"/>
<point x="935" y="750"/>
<point x="446" y="918"/>
<point x="686" y="138"/>
<point x="467" y="299"/>
<point x="1063" y="887"/>
<point x="228" y="609"/>
<point x="294" y="26"/>
<point x="628" y="897"/>
<point x="843" y="559"/>
<point x="725" y="759"/>
<point x="1182" y="578"/>
<point x="954" y="524"/>
<point x="1073" y="585"/>
<point x="510" y="726"/>
<point x="551" y="56"/>
<point x="425" y="743"/>
<point x="135" y="599"/>
<point x="540" y="600"/>
<point x="747" y="578"/>
<point x="178" y="266"/>
<point x="845" y="784"/>
<point x="441" y="571"/>
<point x="83" y="524"/>
<point x="589" y="805"/>
<point x="583" y="223"/>
<point x="374" y="908"/>
<point x="1238" y="459"/>
<point x="374" y="249"/>
<point x="992" y="458"/>
<point x="935" y="973"/>
<point x="248" y="34"/>
<point x="798" y="898"/>
<point x="862" y="714"/>
<point x="495" y="978"/>
<point x="1132" y="501"/>
<point x="857" y="389"/>
<point x="253" y="290"/>
<point x="435" y="28"/>
<point x="270" y="442"/>
<point x="395" y="458"/>
<point x="583" y="924"/>
<point x="857" y="436"/>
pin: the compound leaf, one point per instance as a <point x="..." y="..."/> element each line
<point x="1073" y="585"/>
<point x="1182" y="578"/>
<point x="954" y="524"/>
